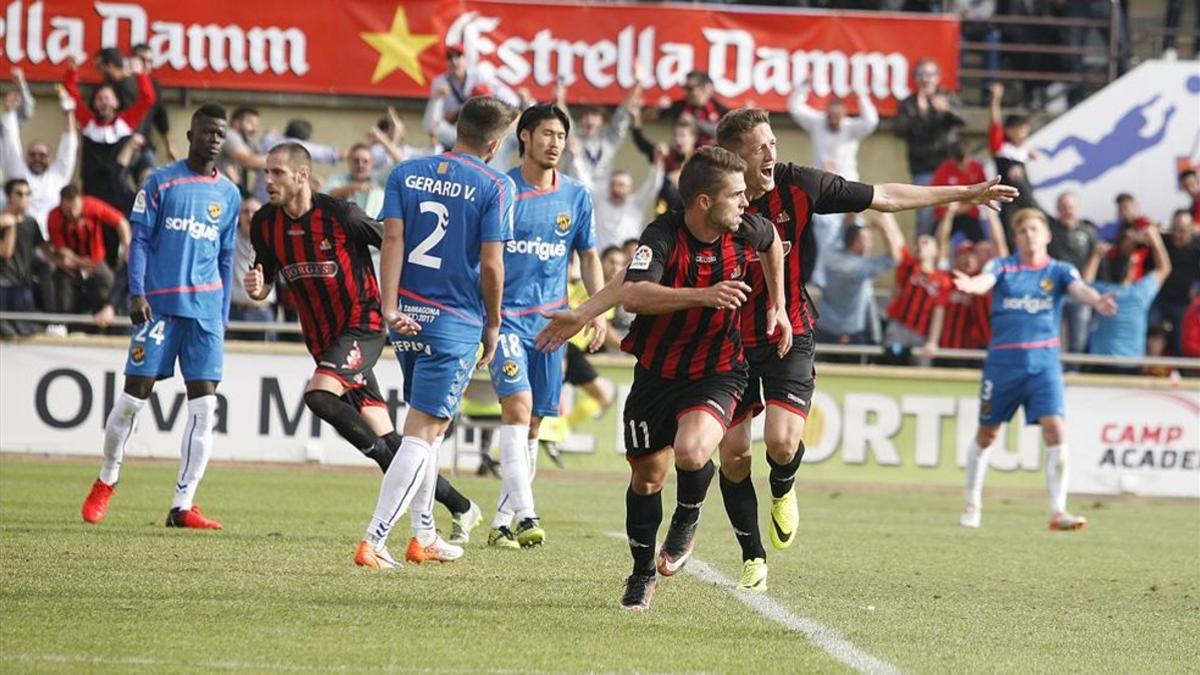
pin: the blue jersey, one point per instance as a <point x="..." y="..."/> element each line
<point x="1027" y="310"/>
<point x="547" y="226"/>
<point x="450" y="203"/>
<point x="181" y="258"/>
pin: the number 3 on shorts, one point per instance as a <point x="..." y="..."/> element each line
<point x="152" y="330"/>
<point x="985" y="392"/>
<point x="633" y="435"/>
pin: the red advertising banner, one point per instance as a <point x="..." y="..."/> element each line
<point x="380" y="48"/>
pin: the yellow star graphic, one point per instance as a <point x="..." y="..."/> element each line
<point x="399" y="49"/>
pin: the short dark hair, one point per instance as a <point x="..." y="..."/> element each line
<point x="70" y="191"/>
<point x="242" y="111"/>
<point x="1124" y="197"/>
<point x="1015" y="120"/>
<point x="738" y="122"/>
<point x="297" y="153"/>
<point x="96" y="93"/>
<point x="12" y="183"/>
<point x="958" y="150"/>
<point x="298" y="128"/>
<point x="214" y="111"/>
<point x="611" y="249"/>
<point x="850" y="234"/>
<point x="534" y="115"/>
<point x="1174" y="214"/>
<point x="483" y="119"/>
<point x="1118" y="267"/>
<point x="704" y="171"/>
<point x="700" y="76"/>
<point x="140" y="47"/>
<point x="110" y="56"/>
<point x="1186" y="173"/>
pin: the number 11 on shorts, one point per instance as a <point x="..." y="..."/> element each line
<point x="633" y="437"/>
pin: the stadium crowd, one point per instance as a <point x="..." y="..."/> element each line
<point x="64" y="243"/>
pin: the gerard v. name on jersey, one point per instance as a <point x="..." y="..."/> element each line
<point x="443" y="188"/>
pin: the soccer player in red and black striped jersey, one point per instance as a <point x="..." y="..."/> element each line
<point x="319" y="245"/>
<point x="686" y="285"/>
<point x="918" y="307"/>
<point x="789" y="195"/>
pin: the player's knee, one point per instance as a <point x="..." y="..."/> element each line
<point x="648" y="477"/>
<point x="139" y="387"/>
<point x="320" y="402"/>
<point x="1052" y="431"/>
<point x="986" y="436"/>
<point x="516" y="409"/>
<point x="736" y="468"/>
<point x="691" y="457"/>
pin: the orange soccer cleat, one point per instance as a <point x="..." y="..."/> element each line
<point x="95" y="507"/>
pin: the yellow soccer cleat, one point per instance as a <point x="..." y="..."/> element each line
<point x="754" y="575"/>
<point x="785" y="517"/>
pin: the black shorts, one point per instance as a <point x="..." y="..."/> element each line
<point x="349" y="360"/>
<point x="654" y="406"/>
<point x="579" y="370"/>
<point x="787" y="382"/>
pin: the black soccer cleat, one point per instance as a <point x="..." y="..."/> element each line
<point x="677" y="547"/>
<point x="639" y="591"/>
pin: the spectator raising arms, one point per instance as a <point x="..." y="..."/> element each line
<point x="1183" y="252"/>
<point x="967" y="324"/>
<point x="45" y="179"/>
<point x="698" y="103"/>
<point x="847" y="306"/>
<point x="1124" y="332"/>
<point x="105" y="128"/>
<point x="928" y="121"/>
<point x="918" y="307"/>
<point x="621" y="212"/>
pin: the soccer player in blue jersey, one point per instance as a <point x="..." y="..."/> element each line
<point x="1023" y="366"/>
<point x="446" y="218"/>
<point x="553" y="220"/>
<point x="180" y="275"/>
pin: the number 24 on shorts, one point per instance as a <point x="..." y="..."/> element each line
<point x="153" y="330"/>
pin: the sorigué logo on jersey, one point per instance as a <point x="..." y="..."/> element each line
<point x="543" y="250"/>
<point x="194" y="228"/>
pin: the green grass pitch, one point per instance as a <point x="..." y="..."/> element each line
<point x="885" y="565"/>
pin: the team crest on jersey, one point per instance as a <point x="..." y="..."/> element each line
<point x="326" y="245"/>
<point x="782" y="218"/>
<point x="137" y="354"/>
<point x="139" y="202"/>
<point x="641" y="258"/>
<point x="214" y="210"/>
<point x="510" y="368"/>
<point x="563" y="223"/>
<point x="443" y="167"/>
<point x="1047" y="285"/>
<point x="737" y="272"/>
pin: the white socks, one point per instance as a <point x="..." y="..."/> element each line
<point x="404" y="478"/>
<point x="422" y="504"/>
<point x="977" y="464"/>
<point x="1056" y="477"/>
<point x="532" y="451"/>
<point x="516" y="492"/>
<point x="194" y="449"/>
<point x="117" y="430"/>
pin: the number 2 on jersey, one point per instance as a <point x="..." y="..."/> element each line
<point x="420" y="254"/>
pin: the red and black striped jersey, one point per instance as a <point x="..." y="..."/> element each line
<point x="917" y="293"/>
<point x="968" y="323"/>
<point x="323" y="256"/>
<point x="699" y="341"/>
<point x="799" y="192"/>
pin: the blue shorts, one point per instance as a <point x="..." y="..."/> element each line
<point x="199" y="344"/>
<point x="1004" y="388"/>
<point x="519" y="367"/>
<point x="440" y="370"/>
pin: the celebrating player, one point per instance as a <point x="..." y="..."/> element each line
<point x="552" y="220"/>
<point x="1022" y="366"/>
<point x="180" y="275"/>
<point x="686" y="285"/>
<point x="446" y="219"/>
<point x="788" y="195"/>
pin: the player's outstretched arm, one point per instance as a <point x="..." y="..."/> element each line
<point x="1106" y="304"/>
<point x="976" y="285"/>
<point x="566" y="323"/>
<point x="650" y="297"/>
<point x="893" y="197"/>
<point x="593" y="281"/>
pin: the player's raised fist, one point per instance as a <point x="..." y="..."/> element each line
<point x="254" y="282"/>
<point x="726" y="295"/>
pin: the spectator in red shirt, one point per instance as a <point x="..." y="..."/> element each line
<point x="83" y="280"/>
<point x="960" y="169"/>
<point x="918" y="308"/>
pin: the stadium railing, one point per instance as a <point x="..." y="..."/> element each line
<point x="864" y="352"/>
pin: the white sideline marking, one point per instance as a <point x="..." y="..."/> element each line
<point x="242" y="665"/>
<point x="828" y="639"/>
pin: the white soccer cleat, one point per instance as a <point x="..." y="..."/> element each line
<point x="971" y="516"/>
<point x="439" y="551"/>
<point x="1065" y="522"/>
<point x="460" y="532"/>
